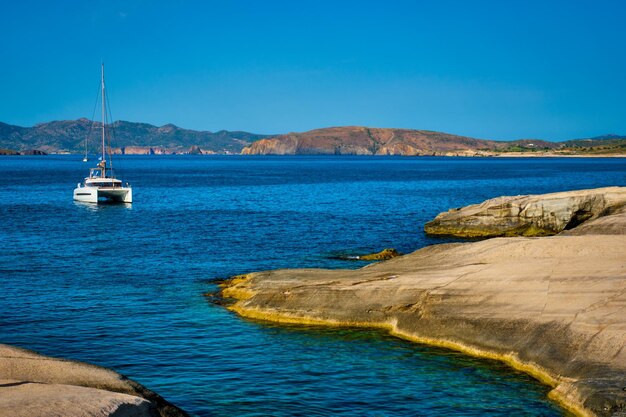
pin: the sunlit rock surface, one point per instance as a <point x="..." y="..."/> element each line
<point x="33" y="385"/>
<point x="529" y="215"/>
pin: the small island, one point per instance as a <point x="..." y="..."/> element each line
<point x="553" y="307"/>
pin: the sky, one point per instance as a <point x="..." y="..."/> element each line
<point x="501" y="70"/>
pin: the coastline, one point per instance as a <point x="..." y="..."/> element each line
<point x="552" y="155"/>
<point x="448" y="155"/>
<point x="552" y="307"/>
<point x="542" y="375"/>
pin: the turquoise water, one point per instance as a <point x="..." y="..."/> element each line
<point x="123" y="286"/>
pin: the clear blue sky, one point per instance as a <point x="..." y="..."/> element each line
<point x="488" y="69"/>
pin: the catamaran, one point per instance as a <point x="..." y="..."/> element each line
<point x="101" y="184"/>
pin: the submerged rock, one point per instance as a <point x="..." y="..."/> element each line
<point x="33" y="385"/>
<point x="528" y="215"/>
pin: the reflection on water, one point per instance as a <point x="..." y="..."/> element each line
<point x="102" y="205"/>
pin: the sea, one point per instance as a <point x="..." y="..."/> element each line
<point x="123" y="286"/>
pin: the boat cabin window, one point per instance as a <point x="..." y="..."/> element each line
<point x="96" y="173"/>
<point x="104" y="184"/>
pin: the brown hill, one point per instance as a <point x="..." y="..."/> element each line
<point x="355" y="140"/>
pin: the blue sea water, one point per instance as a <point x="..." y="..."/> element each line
<point x="122" y="286"/>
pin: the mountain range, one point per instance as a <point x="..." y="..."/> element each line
<point x="69" y="136"/>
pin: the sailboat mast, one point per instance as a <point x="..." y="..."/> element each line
<point x="103" y="153"/>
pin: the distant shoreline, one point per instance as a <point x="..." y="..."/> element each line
<point x="80" y="136"/>
<point x="532" y="155"/>
<point x="499" y="155"/>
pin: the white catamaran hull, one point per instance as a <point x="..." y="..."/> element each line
<point x="95" y="195"/>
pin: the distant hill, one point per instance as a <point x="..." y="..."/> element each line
<point x="604" y="140"/>
<point x="357" y="140"/>
<point x="68" y="136"/>
<point x="607" y="137"/>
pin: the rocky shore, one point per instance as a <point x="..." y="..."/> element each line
<point x="33" y="385"/>
<point x="529" y="215"/>
<point x="554" y="307"/>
